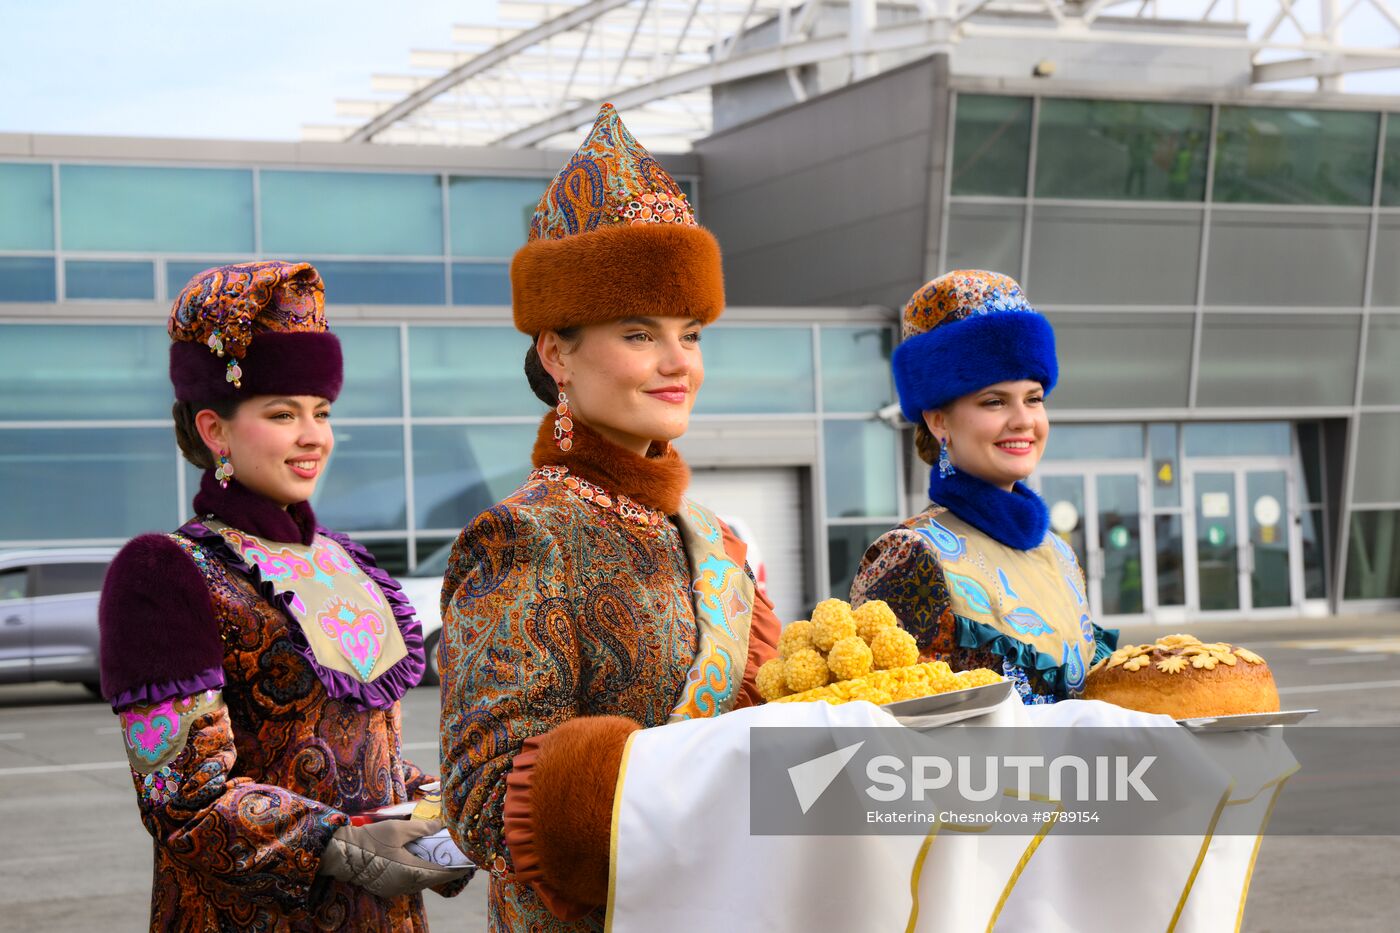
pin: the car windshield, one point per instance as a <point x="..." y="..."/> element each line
<point x="435" y="564"/>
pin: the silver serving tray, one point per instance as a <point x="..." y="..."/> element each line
<point x="967" y="702"/>
<point x="1239" y="722"/>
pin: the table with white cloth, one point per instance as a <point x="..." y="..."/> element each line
<point x="683" y="855"/>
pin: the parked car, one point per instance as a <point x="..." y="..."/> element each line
<point x="48" y="614"/>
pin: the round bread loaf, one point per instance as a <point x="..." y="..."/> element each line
<point x="1184" y="678"/>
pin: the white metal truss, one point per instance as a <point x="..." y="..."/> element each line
<point x="540" y="73"/>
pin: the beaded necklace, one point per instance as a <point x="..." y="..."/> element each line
<point x="629" y="509"/>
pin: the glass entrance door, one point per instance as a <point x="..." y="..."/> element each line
<point x="1217" y="542"/>
<point x="1243" y="549"/>
<point x="1099" y="513"/>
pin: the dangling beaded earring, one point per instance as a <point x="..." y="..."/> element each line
<point x="224" y="471"/>
<point x="945" y="466"/>
<point x="563" y="424"/>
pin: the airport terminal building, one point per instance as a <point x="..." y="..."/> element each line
<point x="1220" y="267"/>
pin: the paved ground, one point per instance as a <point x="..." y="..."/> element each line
<point x="75" y="858"/>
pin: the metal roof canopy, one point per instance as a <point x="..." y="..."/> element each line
<point x="541" y="74"/>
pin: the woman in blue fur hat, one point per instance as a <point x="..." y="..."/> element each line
<point x="977" y="577"/>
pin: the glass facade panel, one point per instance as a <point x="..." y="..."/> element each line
<point x="991" y="145"/>
<point x="26" y="191"/>
<point x="351" y="213"/>
<point x="1314" y="555"/>
<point x="985" y="236"/>
<point x="1286" y="258"/>
<point x="1377" y="457"/>
<point x="459" y="470"/>
<point x="1120" y="543"/>
<point x="373" y="385"/>
<point x="84" y="373"/>
<point x="1065" y="497"/>
<point x="491" y="216"/>
<point x="1233" y="439"/>
<point x="459" y="372"/>
<point x="1112" y="256"/>
<point x="177" y="210"/>
<point x="1385" y="273"/>
<point x="1122" y="360"/>
<point x="1171" y="581"/>
<point x="1122" y="150"/>
<point x="391" y="554"/>
<point x="1373" y="555"/>
<point x="1310" y="452"/>
<point x="102" y="279"/>
<point x="845" y="546"/>
<point x="1275" y="360"/>
<point x="27" y="278"/>
<point x="1390" y="173"/>
<point x="481" y="283"/>
<point x="363" y="488"/>
<point x="1094" y="442"/>
<point x="1166" y="481"/>
<point x="856" y="368"/>
<point x="753" y="370"/>
<point x="1270" y="155"/>
<point x="860" y="469"/>
<point x="111" y="483"/>
<point x="1382" y="383"/>
<point x="383" y="283"/>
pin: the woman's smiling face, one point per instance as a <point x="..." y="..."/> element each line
<point x="997" y="434"/>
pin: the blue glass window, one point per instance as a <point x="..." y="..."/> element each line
<point x="458" y="470"/>
<point x="860" y="469"/>
<point x="1273" y="155"/>
<point x="757" y="370"/>
<point x="384" y="283"/>
<point x="177" y="210"/>
<point x="1122" y="149"/>
<point x="1094" y="442"/>
<point x="373" y="382"/>
<point x="991" y="145"/>
<point x="26" y="191"/>
<point x="491" y="216"/>
<point x="480" y="283"/>
<point x="469" y="372"/>
<point x="109" y="279"/>
<point x="856" y="367"/>
<point x="1226" y="439"/>
<point x="351" y="213"/>
<point x="363" y="487"/>
<point x="27" y="278"/>
<point x="62" y="373"/>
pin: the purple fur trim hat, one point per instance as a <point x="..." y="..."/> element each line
<point x="253" y="328"/>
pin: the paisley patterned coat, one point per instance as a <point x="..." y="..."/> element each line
<point x="260" y="759"/>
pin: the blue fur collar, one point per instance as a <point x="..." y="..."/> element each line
<point x="1017" y="519"/>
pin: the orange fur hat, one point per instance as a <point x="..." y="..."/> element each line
<point x="614" y="237"/>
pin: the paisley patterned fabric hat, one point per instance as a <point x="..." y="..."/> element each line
<point x="614" y="237"/>
<point x="253" y="328"/>
<point x="967" y="330"/>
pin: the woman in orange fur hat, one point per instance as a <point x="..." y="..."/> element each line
<point x="595" y="600"/>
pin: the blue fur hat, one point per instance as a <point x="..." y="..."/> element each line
<point x="967" y="330"/>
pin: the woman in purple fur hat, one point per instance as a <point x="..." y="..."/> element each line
<point x="255" y="659"/>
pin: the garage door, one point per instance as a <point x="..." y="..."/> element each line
<point x="767" y="503"/>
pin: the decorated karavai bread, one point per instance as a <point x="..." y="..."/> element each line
<point x="1184" y="678"/>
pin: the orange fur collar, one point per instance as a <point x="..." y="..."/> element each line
<point x="658" y="480"/>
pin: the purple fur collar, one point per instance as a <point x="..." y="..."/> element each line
<point x="247" y="511"/>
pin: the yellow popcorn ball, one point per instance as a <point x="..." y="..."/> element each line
<point x="796" y="636"/>
<point x="770" y="682"/>
<point x="893" y="647"/>
<point x="873" y="616"/>
<point x="831" y="622"/>
<point x="850" y="658"/>
<point x="805" y="670"/>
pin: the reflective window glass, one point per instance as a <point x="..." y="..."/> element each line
<point x="1373" y="555"/>
<point x="1278" y="359"/>
<point x="985" y="236"/>
<point x="67" y="579"/>
<point x="480" y="283"/>
<point x="1390" y="174"/>
<point x="1314" y="555"/>
<point x="84" y="373"/>
<point x="383" y="283"/>
<point x="88" y="278"/>
<point x="1377" y="453"/>
<point x="1310" y="434"/>
<point x="1382" y="385"/>
<point x="1101" y="255"/>
<point x="26" y="191"/>
<point x="1122" y="150"/>
<point x="491" y="216"/>
<point x="355" y="213"/>
<point x="470" y="371"/>
<point x="1272" y="155"/>
<point x="459" y="470"/>
<point x="1137" y="360"/>
<point x="1094" y="442"/>
<point x="845" y="546"/>
<point x="373" y="386"/>
<point x="177" y="210"/>
<point x="991" y="145"/>
<point x="1235" y="439"/>
<point x="27" y="278"/>
<point x="756" y="370"/>
<point x="1171" y="581"/>
<point x="1385" y="272"/>
<point x="860" y="469"/>
<point x="1286" y="258"/>
<point x="363" y="487"/>
<point x="1166" y="479"/>
<point x="391" y="554"/>
<point x="856" y="367"/>
<point x="112" y="482"/>
<point x="14" y="583"/>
